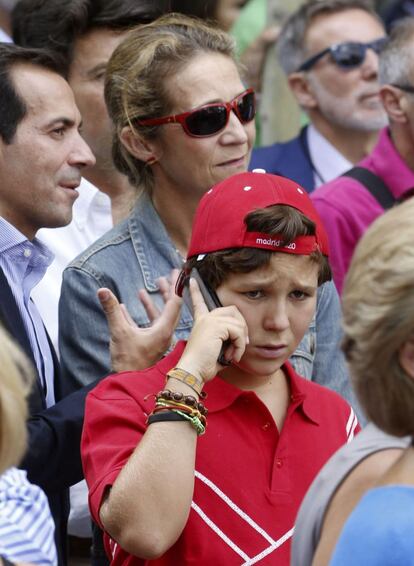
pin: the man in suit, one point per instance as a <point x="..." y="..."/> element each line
<point x="42" y="155"/>
<point x="84" y="33"/>
<point x="329" y="52"/>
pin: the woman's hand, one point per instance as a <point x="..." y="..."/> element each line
<point x="211" y="329"/>
<point x="135" y="348"/>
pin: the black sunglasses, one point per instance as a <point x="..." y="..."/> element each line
<point x="210" y="118"/>
<point x="348" y="55"/>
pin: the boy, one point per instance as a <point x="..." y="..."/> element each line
<point x="162" y="495"/>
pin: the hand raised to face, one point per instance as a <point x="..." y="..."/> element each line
<point x="210" y="330"/>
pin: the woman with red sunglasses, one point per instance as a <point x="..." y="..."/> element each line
<point x="183" y="121"/>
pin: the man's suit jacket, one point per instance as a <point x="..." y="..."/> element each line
<point x="290" y="159"/>
<point x="53" y="458"/>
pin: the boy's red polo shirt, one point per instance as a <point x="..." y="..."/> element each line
<point x="250" y="480"/>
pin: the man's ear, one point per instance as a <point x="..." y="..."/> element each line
<point x="395" y="103"/>
<point x="406" y="357"/>
<point x="302" y="91"/>
<point x="141" y="148"/>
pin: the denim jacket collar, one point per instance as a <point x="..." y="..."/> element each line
<point x="148" y="235"/>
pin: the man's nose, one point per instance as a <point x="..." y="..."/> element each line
<point x="81" y="154"/>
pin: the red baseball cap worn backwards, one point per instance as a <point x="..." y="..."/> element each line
<point x="219" y="220"/>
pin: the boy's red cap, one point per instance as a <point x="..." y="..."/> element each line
<point x="219" y="220"/>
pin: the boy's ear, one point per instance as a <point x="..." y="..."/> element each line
<point x="138" y="146"/>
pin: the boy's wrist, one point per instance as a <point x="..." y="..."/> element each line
<point x="190" y="379"/>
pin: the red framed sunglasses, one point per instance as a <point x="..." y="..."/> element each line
<point x="210" y="119"/>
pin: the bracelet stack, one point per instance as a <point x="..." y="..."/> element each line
<point x="176" y="406"/>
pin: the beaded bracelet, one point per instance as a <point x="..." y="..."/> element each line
<point x="195" y="383"/>
<point x="177" y="396"/>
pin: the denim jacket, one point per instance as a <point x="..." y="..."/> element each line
<point x="132" y="256"/>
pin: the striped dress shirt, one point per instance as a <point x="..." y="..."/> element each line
<point x="24" y="263"/>
<point x="26" y="526"/>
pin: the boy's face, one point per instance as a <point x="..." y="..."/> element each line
<point x="278" y="302"/>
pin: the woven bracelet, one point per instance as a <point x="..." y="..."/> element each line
<point x="196" y="423"/>
<point x="195" y="383"/>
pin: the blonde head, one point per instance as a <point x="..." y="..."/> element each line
<point x="136" y="85"/>
<point x="15" y="384"/>
<point x="378" y="305"/>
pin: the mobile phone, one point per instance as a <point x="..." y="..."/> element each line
<point x="212" y="302"/>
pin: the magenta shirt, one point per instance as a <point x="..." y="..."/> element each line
<point x="347" y="208"/>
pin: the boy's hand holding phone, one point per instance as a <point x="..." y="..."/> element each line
<point x="211" y="329"/>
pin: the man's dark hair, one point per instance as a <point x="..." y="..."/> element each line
<point x="12" y="106"/>
<point x="56" y="24"/>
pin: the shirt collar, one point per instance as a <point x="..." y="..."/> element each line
<point x="9" y="236"/>
<point x="14" y="243"/>
<point x="328" y="161"/>
<point x="388" y="164"/>
<point x="221" y="395"/>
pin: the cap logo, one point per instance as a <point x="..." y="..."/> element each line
<point x="275" y="243"/>
<point x="247" y="188"/>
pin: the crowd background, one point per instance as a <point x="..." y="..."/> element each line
<point x="333" y="111"/>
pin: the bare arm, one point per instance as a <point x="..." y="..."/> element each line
<point x="147" y="507"/>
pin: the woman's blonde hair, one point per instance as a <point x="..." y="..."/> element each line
<point x="378" y="311"/>
<point x="137" y="75"/>
<point x="15" y="384"/>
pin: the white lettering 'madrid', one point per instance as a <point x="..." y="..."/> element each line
<point x="275" y="243"/>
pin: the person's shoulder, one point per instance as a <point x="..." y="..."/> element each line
<point x="333" y="192"/>
<point x="96" y="252"/>
<point x="271" y="157"/>
<point x="315" y="390"/>
<point x="133" y="385"/>
<point x="379" y="530"/>
<point x="337" y="185"/>
<point x="328" y="405"/>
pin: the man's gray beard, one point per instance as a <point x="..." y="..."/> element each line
<point x="341" y="111"/>
<point x="355" y="122"/>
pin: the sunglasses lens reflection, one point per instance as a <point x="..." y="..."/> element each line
<point x="349" y="54"/>
<point x="246" y="107"/>
<point x="207" y="121"/>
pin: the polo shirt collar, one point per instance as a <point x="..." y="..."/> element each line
<point x="221" y="394"/>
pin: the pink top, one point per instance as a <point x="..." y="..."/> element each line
<point x="347" y="208"/>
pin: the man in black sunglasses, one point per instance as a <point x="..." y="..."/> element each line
<point x="329" y="51"/>
<point x="349" y="204"/>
